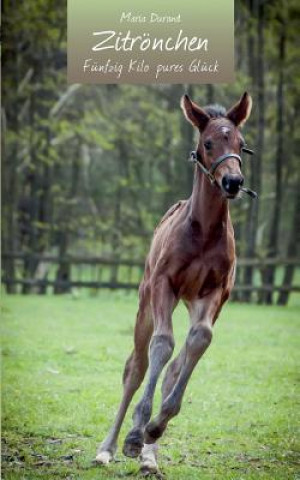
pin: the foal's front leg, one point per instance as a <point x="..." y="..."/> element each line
<point x="161" y="348"/>
<point x="203" y="314"/>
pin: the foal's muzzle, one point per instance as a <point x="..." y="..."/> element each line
<point x="231" y="184"/>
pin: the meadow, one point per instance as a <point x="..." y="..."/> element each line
<point x="63" y="359"/>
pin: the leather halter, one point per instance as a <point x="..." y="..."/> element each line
<point x="195" y="157"/>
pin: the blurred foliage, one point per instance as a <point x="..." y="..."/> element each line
<point x="90" y="168"/>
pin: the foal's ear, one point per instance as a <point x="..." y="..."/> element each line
<point x="193" y="113"/>
<point x="240" y="112"/>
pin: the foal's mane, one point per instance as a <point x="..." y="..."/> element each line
<point x="215" y="110"/>
<point x="170" y="212"/>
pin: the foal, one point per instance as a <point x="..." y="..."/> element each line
<point x="192" y="258"/>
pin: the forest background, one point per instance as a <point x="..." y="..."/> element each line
<point x="90" y="169"/>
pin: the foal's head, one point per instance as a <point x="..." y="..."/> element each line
<point x="220" y="137"/>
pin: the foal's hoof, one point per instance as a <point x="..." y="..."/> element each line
<point x="149" y="459"/>
<point x="133" y="444"/>
<point x="104" y="457"/>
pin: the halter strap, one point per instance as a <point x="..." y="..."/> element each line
<point x="196" y="158"/>
<point x="221" y="159"/>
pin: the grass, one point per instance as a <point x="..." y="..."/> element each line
<point x="62" y="364"/>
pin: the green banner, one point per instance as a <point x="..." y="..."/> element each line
<point x="158" y="42"/>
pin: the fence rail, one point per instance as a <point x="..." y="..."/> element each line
<point x="98" y="272"/>
<point x="78" y="259"/>
<point x="83" y="259"/>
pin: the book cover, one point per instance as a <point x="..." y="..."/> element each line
<point x="149" y="164"/>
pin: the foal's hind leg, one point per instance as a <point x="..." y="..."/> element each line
<point x="162" y="344"/>
<point x="203" y="315"/>
<point x="134" y="372"/>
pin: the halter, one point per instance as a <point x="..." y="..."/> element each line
<point x="195" y="157"/>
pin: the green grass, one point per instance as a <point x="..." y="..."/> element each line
<point x="62" y="363"/>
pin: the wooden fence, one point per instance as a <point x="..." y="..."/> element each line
<point x="101" y="272"/>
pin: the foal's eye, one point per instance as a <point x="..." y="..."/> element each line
<point x="208" y="145"/>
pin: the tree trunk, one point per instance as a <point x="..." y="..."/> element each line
<point x="9" y="194"/>
<point x="273" y="243"/>
<point x="210" y="94"/>
<point x="256" y="162"/>
<point x="116" y="233"/>
<point x="32" y="180"/>
<point x="63" y="273"/>
<point x="292" y="251"/>
<point x="45" y="217"/>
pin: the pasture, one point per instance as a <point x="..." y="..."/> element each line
<point x="62" y="364"/>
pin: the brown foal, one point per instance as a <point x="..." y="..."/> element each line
<point x="192" y="258"/>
